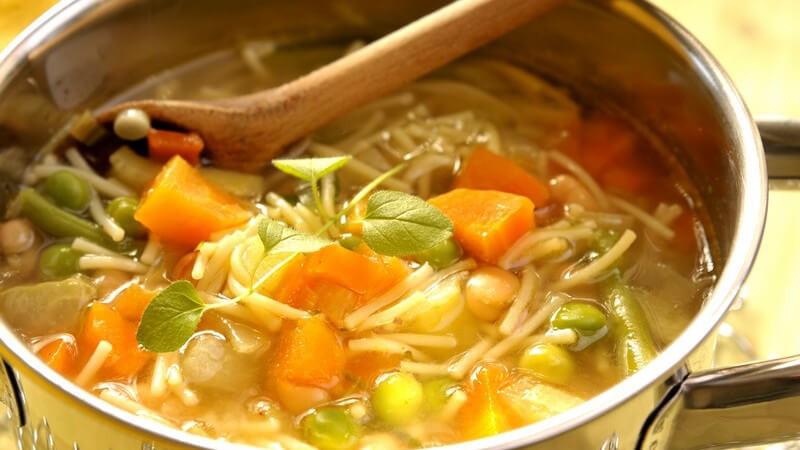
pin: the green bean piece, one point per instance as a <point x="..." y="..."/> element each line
<point x="59" y="261"/>
<point x="331" y="428"/>
<point x="67" y="190"/>
<point x="397" y="398"/>
<point x="350" y="241"/>
<point x="436" y="391"/>
<point x="55" y="221"/>
<point x="631" y="332"/>
<point x="122" y="209"/>
<point x="580" y="316"/>
<point x="548" y="362"/>
<point x="440" y="255"/>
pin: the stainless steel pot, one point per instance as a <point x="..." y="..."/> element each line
<point x="625" y="52"/>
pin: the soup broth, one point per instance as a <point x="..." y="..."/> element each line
<point x="475" y="252"/>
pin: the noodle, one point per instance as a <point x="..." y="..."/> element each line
<point x="380" y="345"/>
<point x="412" y="281"/>
<point x="529" y="326"/>
<point x="86" y="246"/>
<point x="423" y="368"/>
<point x="582" y="175"/>
<point x="597" y="266"/>
<point x="515" y="256"/>
<point x="95" y="362"/>
<point x="521" y="301"/>
<point x="99" y="215"/>
<point x="108" y="187"/>
<point x="648" y="220"/>
<point x="122" y="263"/>
<point x="423" y="340"/>
<point x="469" y="359"/>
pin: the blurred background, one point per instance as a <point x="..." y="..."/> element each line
<point x="758" y="43"/>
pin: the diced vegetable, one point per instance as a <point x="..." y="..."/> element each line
<point x="61" y="355"/>
<point x="441" y="255"/>
<point x="59" y="261"/>
<point x="132" y="301"/>
<point x="67" y="190"/>
<point x="103" y="323"/>
<point x="210" y="362"/>
<point x="484" y="413"/>
<point x="132" y="169"/>
<point x="242" y="185"/>
<point x="580" y="316"/>
<point x="49" y="307"/>
<point x="444" y="304"/>
<point x="163" y="145"/>
<point x="489" y="291"/>
<point x="59" y="223"/>
<point x="183" y="208"/>
<point x="309" y="352"/>
<point x="132" y="124"/>
<point x="634" y="341"/>
<point x="86" y="129"/>
<point x="532" y="401"/>
<point x="122" y="209"/>
<point x="487" y="170"/>
<point x="397" y="398"/>
<point x="486" y="223"/>
<point x="346" y="268"/>
<point x="366" y="367"/>
<point x="331" y="428"/>
<point x="549" y="363"/>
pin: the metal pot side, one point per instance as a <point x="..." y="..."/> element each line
<point x="622" y="52"/>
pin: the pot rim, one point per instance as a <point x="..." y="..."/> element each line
<point x="746" y="240"/>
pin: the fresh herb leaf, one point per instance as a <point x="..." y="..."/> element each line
<point x="399" y="224"/>
<point x="311" y="169"/>
<point x="270" y="233"/>
<point x="278" y="238"/>
<point x="171" y="318"/>
<point x="368" y="188"/>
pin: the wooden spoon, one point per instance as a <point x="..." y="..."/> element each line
<point x="246" y="132"/>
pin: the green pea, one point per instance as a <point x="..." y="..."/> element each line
<point x="397" y="398"/>
<point x="122" y="209"/>
<point x="59" y="261"/>
<point x="331" y="428"/>
<point x="436" y="392"/>
<point x="440" y="255"/>
<point x="350" y="241"/>
<point x="584" y="317"/>
<point x="548" y="362"/>
<point x="67" y="190"/>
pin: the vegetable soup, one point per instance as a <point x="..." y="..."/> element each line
<point x="475" y="252"/>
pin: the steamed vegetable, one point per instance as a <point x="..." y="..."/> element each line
<point x="183" y="208"/>
<point x="532" y="401"/>
<point x="309" y="353"/>
<point x="61" y="355"/>
<point x="485" y="413"/>
<point x="132" y="169"/>
<point x="122" y="209"/>
<point x="441" y="255"/>
<point x="331" y="428"/>
<point x="67" y="190"/>
<point x="486" y="223"/>
<point x="549" y="363"/>
<point x="397" y="398"/>
<point x="582" y="317"/>
<point x="47" y="308"/>
<point x="58" y="261"/>
<point x="634" y="341"/>
<point x="59" y="223"/>
<point x="210" y="362"/>
<point x="163" y="145"/>
<point x="487" y="170"/>
<point x="132" y="301"/>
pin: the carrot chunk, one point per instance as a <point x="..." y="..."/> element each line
<point x="103" y="323"/>
<point x="487" y="170"/>
<point x="344" y="267"/>
<point x="366" y="367"/>
<point x="163" y="145"/>
<point x="486" y="223"/>
<point x="309" y="353"/>
<point x="183" y="208"/>
<point x="61" y="355"/>
<point x="132" y="301"/>
<point x="485" y="413"/>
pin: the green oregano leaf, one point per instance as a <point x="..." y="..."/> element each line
<point x="278" y="238"/>
<point x="310" y="169"/>
<point x="399" y="224"/>
<point x="171" y="318"/>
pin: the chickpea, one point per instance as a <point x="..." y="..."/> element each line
<point x="297" y="399"/>
<point x="567" y="189"/>
<point x="489" y="291"/>
<point x="16" y="236"/>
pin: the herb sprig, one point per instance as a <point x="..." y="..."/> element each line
<point x="395" y="224"/>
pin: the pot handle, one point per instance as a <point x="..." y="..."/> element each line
<point x="746" y="404"/>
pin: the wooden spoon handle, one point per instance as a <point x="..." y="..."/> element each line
<point x="396" y="59"/>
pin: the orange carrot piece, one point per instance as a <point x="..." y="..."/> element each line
<point x="183" y="208"/>
<point x="163" y="145"/>
<point x="486" y="223"/>
<point x="61" y="355"/>
<point x="105" y="324"/>
<point x="484" y="413"/>
<point x="309" y="353"/>
<point x="132" y="301"/>
<point x="487" y="170"/>
<point x="365" y="367"/>
<point x="346" y="268"/>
